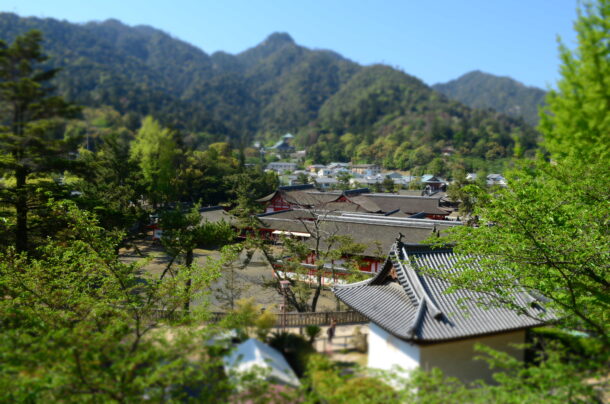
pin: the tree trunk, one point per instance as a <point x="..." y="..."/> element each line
<point x="187" y="289"/>
<point x="21" y="208"/>
<point x="316" y="295"/>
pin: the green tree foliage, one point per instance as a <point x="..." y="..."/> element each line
<point x="155" y="151"/>
<point x="205" y="176"/>
<point x="232" y="285"/>
<point x="576" y="119"/>
<point x="112" y="188"/>
<point x="183" y="231"/>
<point x="343" y="180"/>
<point x="246" y="187"/>
<point x="303" y="178"/>
<point x="549" y="232"/>
<point x="388" y="184"/>
<point x="31" y="143"/>
<point x="249" y="319"/>
<point x="327" y="384"/>
<point x="463" y="192"/>
<point x="79" y="325"/>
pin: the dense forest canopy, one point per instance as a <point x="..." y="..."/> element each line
<point x="503" y="94"/>
<point x="344" y="110"/>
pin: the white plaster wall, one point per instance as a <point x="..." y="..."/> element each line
<point x="457" y="358"/>
<point x="386" y="352"/>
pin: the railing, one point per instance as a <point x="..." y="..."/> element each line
<point x="321" y="318"/>
<point x="283" y="319"/>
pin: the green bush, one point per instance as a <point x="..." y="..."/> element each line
<point x="312" y="332"/>
<point x="327" y="384"/>
<point x="575" y="344"/>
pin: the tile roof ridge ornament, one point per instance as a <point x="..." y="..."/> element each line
<point x="414" y="282"/>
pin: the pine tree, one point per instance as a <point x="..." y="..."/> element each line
<point x="31" y="135"/>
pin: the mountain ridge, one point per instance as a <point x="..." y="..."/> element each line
<point x="504" y="94"/>
<point x="337" y="108"/>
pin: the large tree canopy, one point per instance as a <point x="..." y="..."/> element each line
<point x="576" y="118"/>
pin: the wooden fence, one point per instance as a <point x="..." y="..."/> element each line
<point x="321" y="318"/>
<point x="283" y="319"/>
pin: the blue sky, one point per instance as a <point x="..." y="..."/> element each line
<point x="434" y="40"/>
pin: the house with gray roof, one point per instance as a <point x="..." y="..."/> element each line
<point x="496" y="179"/>
<point x="216" y="214"/>
<point x="416" y="324"/>
<point x="281" y="167"/>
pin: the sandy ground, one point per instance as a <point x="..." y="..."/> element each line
<point x="252" y="276"/>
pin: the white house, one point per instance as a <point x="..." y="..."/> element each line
<point x="281" y="166"/>
<point x="366" y="169"/>
<point x="326" y="182"/>
<point x="315" y="167"/>
<point x="324" y="172"/>
<point x="414" y="324"/>
<point x="335" y="165"/>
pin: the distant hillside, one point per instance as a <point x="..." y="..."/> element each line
<point x="503" y="94"/>
<point x="338" y="109"/>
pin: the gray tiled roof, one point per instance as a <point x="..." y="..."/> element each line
<point x="406" y="203"/>
<point x="371" y="230"/>
<point x="215" y="214"/>
<point x="301" y="197"/>
<point x="414" y="306"/>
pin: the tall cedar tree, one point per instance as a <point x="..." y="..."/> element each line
<point x="29" y="118"/>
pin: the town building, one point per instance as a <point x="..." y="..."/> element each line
<point x="284" y="147"/>
<point x="366" y="169"/>
<point x="433" y="183"/>
<point x="326" y="183"/>
<point x="314" y="168"/>
<point x="281" y="167"/>
<point x="496" y="179"/>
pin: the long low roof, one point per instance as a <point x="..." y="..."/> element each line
<point x="414" y="306"/>
<point x="404" y="203"/>
<point x="375" y="231"/>
<point x="356" y="200"/>
<point x="215" y="214"/>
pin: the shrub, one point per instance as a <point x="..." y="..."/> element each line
<point x="312" y="332"/>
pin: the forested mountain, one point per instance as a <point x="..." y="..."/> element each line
<point x="503" y="94"/>
<point x="337" y="108"/>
